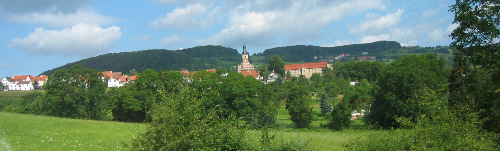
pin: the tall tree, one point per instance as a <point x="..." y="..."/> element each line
<point x="77" y="93"/>
<point x="340" y="116"/>
<point x="297" y="104"/>
<point x="476" y="37"/>
<point x="398" y="82"/>
<point x="326" y="107"/>
<point x="277" y="65"/>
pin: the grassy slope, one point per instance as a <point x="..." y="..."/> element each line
<point x="30" y="132"/>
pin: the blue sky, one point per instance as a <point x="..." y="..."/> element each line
<point x="39" y="35"/>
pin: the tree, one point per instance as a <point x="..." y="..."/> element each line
<point x="180" y="123"/>
<point x="325" y="104"/>
<point x="76" y="93"/>
<point x="264" y="70"/>
<point x="297" y="104"/>
<point x="340" y="116"/>
<point x="36" y="85"/>
<point x="133" y="72"/>
<point x="476" y="38"/>
<point x="395" y="96"/>
<point x="277" y="65"/>
<point x="478" y="31"/>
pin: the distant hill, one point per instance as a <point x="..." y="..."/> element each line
<point x="196" y="58"/>
<point x="302" y="53"/>
<point x="219" y="57"/>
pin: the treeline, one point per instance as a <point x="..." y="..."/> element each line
<point x="302" y="53"/>
<point x="193" y="59"/>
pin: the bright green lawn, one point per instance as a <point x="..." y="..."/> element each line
<point x="30" y="132"/>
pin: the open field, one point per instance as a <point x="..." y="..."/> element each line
<point x="30" y="132"/>
<point x="13" y="98"/>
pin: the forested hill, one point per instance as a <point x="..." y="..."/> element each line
<point x="196" y="58"/>
<point x="302" y="53"/>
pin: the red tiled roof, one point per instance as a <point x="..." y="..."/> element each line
<point x="21" y="77"/>
<point x="132" y="78"/>
<point x="212" y="70"/>
<point x="107" y="74"/>
<point x="307" y="65"/>
<point x="253" y="73"/>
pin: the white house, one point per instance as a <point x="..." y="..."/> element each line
<point x="25" y="85"/>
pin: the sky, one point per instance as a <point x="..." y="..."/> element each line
<point x="39" y="35"/>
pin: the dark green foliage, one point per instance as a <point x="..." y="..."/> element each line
<point x="340" y="116"/>
<point x="326" y="107"/>
<point x="76" y="93"/>
<point x="297" y="104"/>
<point x="303" y="53"/>
<point x="357" y="70"/>
<point x="236" y="95"/>
<point x="396" y="95"/>
<point x="359" y="96"/>
<point x="128" y="104"/>
<point x="196" y="58"/>
<point x="478" y="33"/>
<point x="477" y="39"/>
<point x="180" y="123"/>
<point x="438" y="129"/>
<point x="277" y="65"/>
<point x="334" y="85"/>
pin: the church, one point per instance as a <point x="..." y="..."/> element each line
<point x="246" y="68"/>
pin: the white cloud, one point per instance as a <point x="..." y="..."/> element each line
<point x="190" y="17"/>
<point x="380" y="25"/>
<point x="82" y="40"/>
<point x="369" y="39"/>
<point x="339" y="43"/>
<point x="63" y="20"/>
<point x="438" y="35"/>
<point x="431" y="12"/>
<point x="299" y="21"/>
<point x="171" y="40"/>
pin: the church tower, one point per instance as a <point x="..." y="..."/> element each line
<point x="245" y="65"/>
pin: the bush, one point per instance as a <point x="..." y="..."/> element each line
<point x="179" y="124"/>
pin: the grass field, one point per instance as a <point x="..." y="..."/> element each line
<point x="31" y="132"/>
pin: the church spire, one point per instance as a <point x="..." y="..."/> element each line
<point x="244" y="48"/>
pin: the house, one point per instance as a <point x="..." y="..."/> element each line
<point x="272" y="77"/>
<point x="25" y="86"/>
<point x="6" y="83"/>
<point x="117" y="81"/>
<point x="364" y="53"/>
<point x="40" y="79"/>
<point x="306" y="69"/>
<point x="366" y="58"/>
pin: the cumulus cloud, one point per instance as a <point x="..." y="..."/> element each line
<point x="381" y="24"/>
<point x="369" y="39"/>
<point x="294" y="22"/>
<point x="171" y="39"/>
<point x="82" y="40"/>
<point x="339" y="43"/>
<point x="190" y="17"/>
<point x="440" y="34"/>
<point x="61" y="19"/>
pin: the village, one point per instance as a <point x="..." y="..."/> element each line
<point x="118" y="79"/>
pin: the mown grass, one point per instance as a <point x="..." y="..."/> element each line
<point x="30" y="132"/>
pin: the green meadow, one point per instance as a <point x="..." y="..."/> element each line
<point x="32" y="132"/>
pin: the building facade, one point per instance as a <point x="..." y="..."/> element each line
<point x="306" y="69"/>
